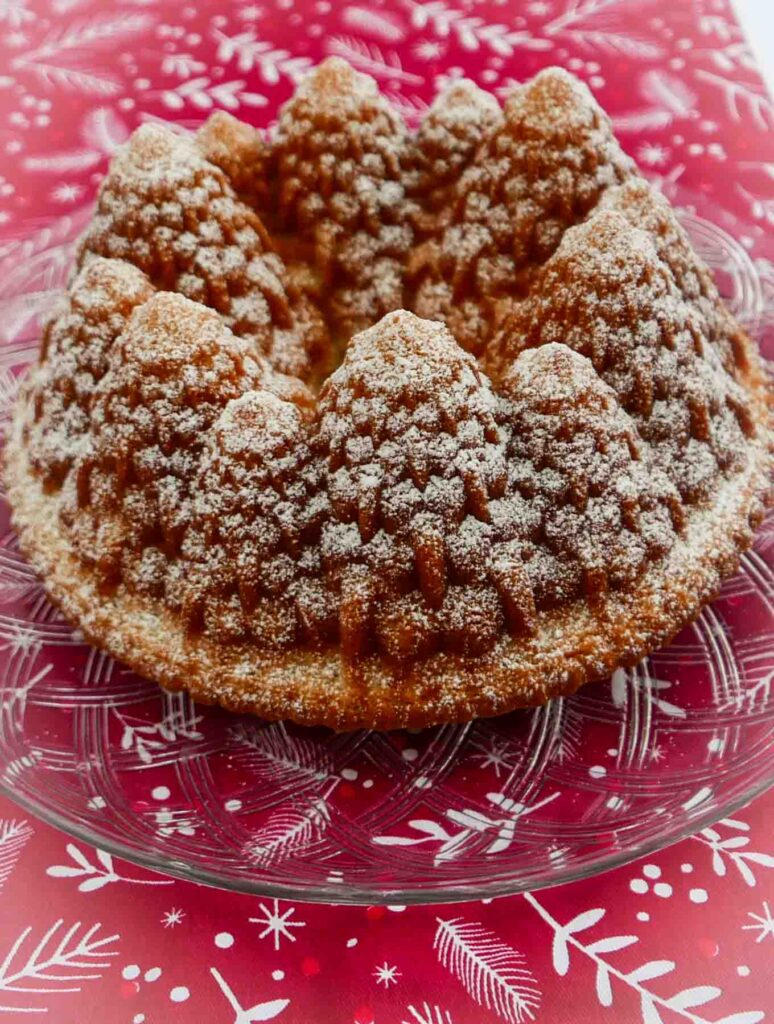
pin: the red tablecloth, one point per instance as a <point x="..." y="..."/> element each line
<point x="687" y="935"/>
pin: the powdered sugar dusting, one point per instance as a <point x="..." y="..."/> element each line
<point x="176" y="216"/>
<point x="535" y="175"/>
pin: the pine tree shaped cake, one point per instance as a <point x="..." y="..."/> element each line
<point x="364" y="427"/>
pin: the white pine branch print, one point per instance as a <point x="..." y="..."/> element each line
<point x="576" y="11"/>
<point x="668" y="92"/>
<point x="59" y="962"/>
<point x="493" y="974"/>
<point x="289" y="832"/>
<point x="682" y="1003"/>
<point x="742" y="99"/>
<point x="411" y="108"/>
<point x="601" y="35"/>
<point x="370" y="58"/>
<point x="615" y="43"/>
<point x="51" y="60"/>
<point x="382" y="25"/>
<point x="427" y="1014"/>
<point x="13" y="837"/>
<point x="251" y="52"/>
<point x="284" y="757"/>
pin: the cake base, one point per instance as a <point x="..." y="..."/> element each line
<point x="573" y="645"/>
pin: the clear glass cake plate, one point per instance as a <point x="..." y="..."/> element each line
<point x="496" y="806"/>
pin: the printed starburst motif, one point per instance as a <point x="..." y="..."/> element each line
<point x="494" y="757"/>
<point x="387" y="975"/>
<point x="764" y="923"/>
<point x="657" y="753"/>
<point x="277" y="925"/>
<point x="67" y="192"/>
<point x="21" y="641"/>
<point x="172" y="917"/>
<point x="429" y="49"/>
<point x="651" y="154"/>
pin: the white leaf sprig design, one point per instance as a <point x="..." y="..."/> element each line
<point x="372" y="59"/>
<point x="472" y="33"/>
<point x="493" y="974"/>
<point x="204" y="94"/>
<point x="568" y="939"/>
<point x="472" y="822"/>
<point x="147" y="738"/>
<point x="251" y="52"/>
<point x="755" y="698"/>
<point x="622" y="681"/>
<point x="95" y="876"/>
<point x="261" y="1011"/>
<point x="59" y="962"/>
<point x="14" y="835"/>
<point x="733" y="850"/>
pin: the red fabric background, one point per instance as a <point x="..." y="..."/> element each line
<point x="75" y="78"/>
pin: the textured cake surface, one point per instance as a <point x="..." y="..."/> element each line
<point x="361" y="427"/>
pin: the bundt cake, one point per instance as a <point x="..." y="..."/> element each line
<point x="360" y="427"/>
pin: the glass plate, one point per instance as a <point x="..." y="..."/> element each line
<point x="527" y="800"/>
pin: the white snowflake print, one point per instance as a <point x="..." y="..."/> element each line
<point x="494" y="757"/>
<point x="67" y="192"/>
<point x="387" y="975"/>
<point x="276" y="924"/>
<point x="764" y="923"/>
<point x="652" y="154"/>
<point x="173" y="917"/>
<point x="429" y="49"/>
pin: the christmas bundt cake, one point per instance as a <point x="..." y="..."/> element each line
<point x="362" y="427"/>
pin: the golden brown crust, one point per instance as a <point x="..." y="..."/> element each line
<point x="575" y="644"/>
